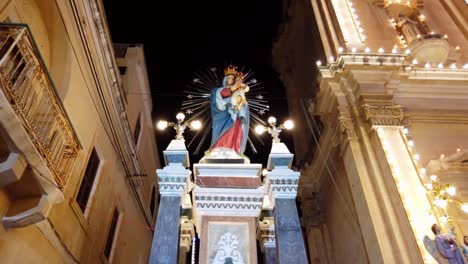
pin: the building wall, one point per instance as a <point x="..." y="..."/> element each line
<point x="82" y="237"/>
<point x="341" y="220"/>
<point x="361" y="91"/>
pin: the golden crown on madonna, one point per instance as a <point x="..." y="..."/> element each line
<point x="231" y="69"/>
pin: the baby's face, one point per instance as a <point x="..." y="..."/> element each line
<point x="238" y="80"/>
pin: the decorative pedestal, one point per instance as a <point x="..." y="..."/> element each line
<point x="228" y="200"/>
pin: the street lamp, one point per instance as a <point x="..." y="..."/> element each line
<point x="180" y="126"/>
<point x="274" y="130"/>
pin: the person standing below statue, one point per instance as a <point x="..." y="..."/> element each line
<point x="447" y="246"/>
<point x="230" y="112"/>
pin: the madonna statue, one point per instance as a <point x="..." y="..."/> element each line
<point x="230" y="112"/>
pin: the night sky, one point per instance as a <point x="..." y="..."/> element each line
<point x="182" y="37"/>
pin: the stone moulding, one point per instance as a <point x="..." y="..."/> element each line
<point x="383" y="115"/>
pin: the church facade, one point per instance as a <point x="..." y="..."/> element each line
<point x="75" y="120"/>
<point x="383" y="148"/>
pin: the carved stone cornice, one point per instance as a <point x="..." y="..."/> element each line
<point x="231" y="201"/>
<point x="283" y="183"/>
<point x="384" y="115"/>
<point x="172" y="180"/>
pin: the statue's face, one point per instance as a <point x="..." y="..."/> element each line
<point x="230" y="79"/>
<point x="466" y="240"/>
<point x="238" y="80"/>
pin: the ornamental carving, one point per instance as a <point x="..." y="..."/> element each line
<point x="347" y="126"/>
<point x="228" y="250"/>
<point x="383" y="115"/>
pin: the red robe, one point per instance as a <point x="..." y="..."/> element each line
<point x="232" y="138"/>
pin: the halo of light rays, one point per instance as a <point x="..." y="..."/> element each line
<point x="196" y="103"/>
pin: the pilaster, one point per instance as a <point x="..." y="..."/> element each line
<point x="266" y="235"/>
<point x="290" y="246"/>
<point x="172" y="185"/>
<point x="187" y="232"/>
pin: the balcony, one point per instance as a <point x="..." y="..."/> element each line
<point x="26" y="84"/>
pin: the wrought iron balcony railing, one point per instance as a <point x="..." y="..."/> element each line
<point x="27" y="85"/>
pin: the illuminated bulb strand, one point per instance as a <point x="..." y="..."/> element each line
<point x="427" y="181"/>
<point x="356" y="22"/>
<point x="395" y="173"/>
<point x="381" y="52"/>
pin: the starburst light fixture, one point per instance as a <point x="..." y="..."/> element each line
<point x="180" y="126"/>
<point x="274" y="130"/>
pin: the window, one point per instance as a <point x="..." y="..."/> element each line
<point x="153" y="197"/>
<point x="136" y="132"/>
<point x="111" y="234"/>
<point x="88" y="180"/>
<point x="122" y="70"/>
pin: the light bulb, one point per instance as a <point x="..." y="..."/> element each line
<point x="451" y="190"/>
<point x="162" y="125"/>
<point x="288" y="124"/>
<point x="272" y="120"/>
<point x="441" y="203"/>
<point x="433" y="177"/>
<point x="381" y="50"/>
<point x="443" y="219"/>
<point x="196" y="124"/>
<point x="319" y="63"/>
<point x="464" y="207"/>
<point x="259" y="129"/>
<point x="180" y="116"/>
<point x="411" y="143"/>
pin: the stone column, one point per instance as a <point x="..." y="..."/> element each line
<point x="373" y="184"/>
<point x="187" y="232"/>
<point x="172" y="183"/>
<point x="266" y="236"/>
<point x="290" y="246"/>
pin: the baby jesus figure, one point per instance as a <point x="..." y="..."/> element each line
<point x="238" y="92"/>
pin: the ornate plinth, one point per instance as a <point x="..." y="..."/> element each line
<point x="228" y="196"/>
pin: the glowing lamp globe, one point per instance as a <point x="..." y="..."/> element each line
<point x="464" y="207"/>
<point x="180" y="116"/>
<point x="271" y="120"/>
<point x="196" y="124"/>
<point x="259" y="129"/>
<point x="441" y="203"/>
<point x="451" y="190"/>
<point x="288" y="124"/>
<point x="162" y="125"/>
